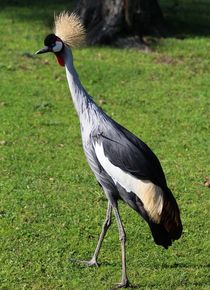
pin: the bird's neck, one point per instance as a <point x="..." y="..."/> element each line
<point x="80" y="97"/>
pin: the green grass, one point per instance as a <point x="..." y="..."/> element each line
<point x="51" y="208"/>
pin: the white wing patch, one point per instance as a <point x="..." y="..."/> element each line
<point x="150" y="194"/>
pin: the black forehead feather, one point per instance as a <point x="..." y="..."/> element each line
<point x="50" y="39"/>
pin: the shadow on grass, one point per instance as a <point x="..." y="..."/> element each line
<point x="41" y="4"/>
<point x="36" y="10"/>
<point x="186" y="18"/>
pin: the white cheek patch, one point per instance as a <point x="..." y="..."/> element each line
<point x="58" y="46"/>
<point x="150" y="194"/>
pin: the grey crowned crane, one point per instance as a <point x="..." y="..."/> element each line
<point x="123" y="165"/>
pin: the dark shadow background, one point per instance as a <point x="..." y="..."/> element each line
<point x="188" y="18"/>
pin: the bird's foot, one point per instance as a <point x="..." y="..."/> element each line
<point x="90" y="263"/>
<point x="123" y="284"/>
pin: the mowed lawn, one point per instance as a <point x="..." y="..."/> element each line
<point x="51" y="208"/>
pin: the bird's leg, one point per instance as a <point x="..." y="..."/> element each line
<point x="124" y="282"/>
<point x="106" y="225"/>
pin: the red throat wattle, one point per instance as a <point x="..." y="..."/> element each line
<point x="60" y="59"/>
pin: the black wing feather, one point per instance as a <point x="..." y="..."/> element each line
<point x="132" y="155"/>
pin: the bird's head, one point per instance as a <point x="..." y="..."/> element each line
<point x="53" y="44"/>
<point x="68" y="32"/>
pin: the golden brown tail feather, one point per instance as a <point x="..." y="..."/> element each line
<point x="170" y="226"/>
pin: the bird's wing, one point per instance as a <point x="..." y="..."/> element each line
<point x="125" y="151"/>
<point x="132" y="165"/>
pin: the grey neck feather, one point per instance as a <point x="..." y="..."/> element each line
<point x="80" y="97"/>
<point x="90" y="115"/>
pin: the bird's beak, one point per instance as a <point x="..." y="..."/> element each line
<point x="43" y="50"/>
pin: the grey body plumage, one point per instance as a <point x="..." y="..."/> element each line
<point x="123" y="165"/>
